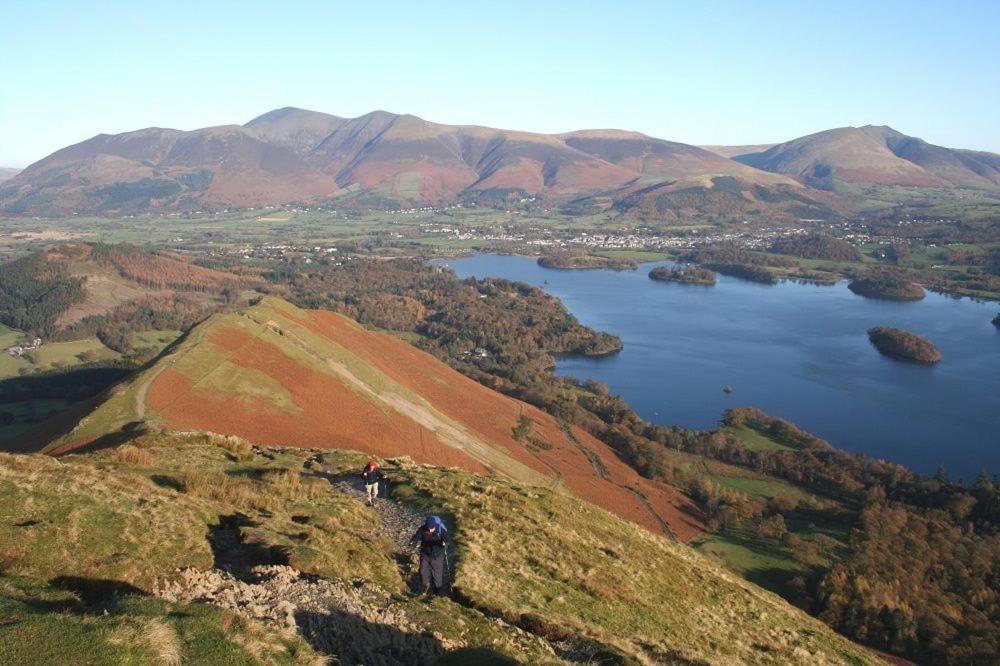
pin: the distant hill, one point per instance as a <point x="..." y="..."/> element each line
<point x="6" y="173"/>
<point x="292" y="377"/>
<point x="296" y="156"/>
<point x="875" y="155"/>
<point x="732" y="151"/>
<point x="58" y="288"/>
<point x="165" y="169"/>
<point x="382" y="159"/>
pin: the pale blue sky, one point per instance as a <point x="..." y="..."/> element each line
<point x="713" y="72"/>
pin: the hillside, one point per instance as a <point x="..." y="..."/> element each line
<point x="237" y="544"/>
<point x="718" y="198"/>
<point x="875" y="155"/>
<point x="296" y="156"/>
<point x="664" y="159"/>
<point x="49" y="292"/>
<point x="285" y="376"/>
<point x="733" y="151"/>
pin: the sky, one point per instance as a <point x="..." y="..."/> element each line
<point x="698" y="72"/>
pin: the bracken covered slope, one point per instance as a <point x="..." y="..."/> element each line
<point x="280" y="375"/>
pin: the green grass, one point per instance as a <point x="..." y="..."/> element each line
<point x="28" y="413"/>
<point x="157" y="340"/>
<point x="635" y="255"/>
<point x="762" y="487"/>
<point x="9" y="336"/>
<point x="583" y="570"/>
<point x="540" y="560"/>
<point x="755" y="440"/>
<point x="762" y="561"/>
<point x="11" y="366"/>
<point x="62" y="354"/>
<point x="41" y="624"/>
<point x="769" y="563"/>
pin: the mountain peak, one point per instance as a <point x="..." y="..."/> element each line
<point x="874" y="154"/>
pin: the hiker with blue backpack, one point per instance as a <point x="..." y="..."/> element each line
<point x="433" y="539"/>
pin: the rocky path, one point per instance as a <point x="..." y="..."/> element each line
<point x="360" y="625"/>
<point x="354" y="623"/>
<point x="399" y="522"/>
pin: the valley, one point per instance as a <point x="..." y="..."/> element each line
<point x="248" y="361"/>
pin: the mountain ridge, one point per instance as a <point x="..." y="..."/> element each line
<point x="875" y="154"/>
<point x="315" y="379"/>
<point x="293" y="156"/>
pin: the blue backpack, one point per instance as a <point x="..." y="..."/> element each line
<point x="436" y="523"/>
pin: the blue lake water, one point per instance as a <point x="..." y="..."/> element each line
<point x="796" y="351"/>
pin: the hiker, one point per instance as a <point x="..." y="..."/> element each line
<point x="371" y="475"/>
<point x="433" y="539"/>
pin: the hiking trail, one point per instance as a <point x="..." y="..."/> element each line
<point x="353" y="623"/>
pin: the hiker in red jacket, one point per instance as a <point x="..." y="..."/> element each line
<point x="371" y="475"/>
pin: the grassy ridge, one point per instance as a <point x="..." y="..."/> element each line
<point x="550" y="564"/>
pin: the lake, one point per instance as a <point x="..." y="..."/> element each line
<point x="796" y="351"/>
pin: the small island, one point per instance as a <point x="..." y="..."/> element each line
<point x="903" y="345"/>
<point x="684" y="275"/>
<point x="583" y="261"/>
<point x="887" y="287"/>
<point x="749" y="272"/>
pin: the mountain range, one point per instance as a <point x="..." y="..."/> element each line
<point x="381" y="159"/>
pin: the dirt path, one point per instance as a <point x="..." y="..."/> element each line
<point x="399" y="522"/>
<point x="352" y="623"/>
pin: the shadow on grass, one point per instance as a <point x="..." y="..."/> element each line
<point x="354" y="639"/>
<point x="96" y="592"/>
<point x="231" y="553"/>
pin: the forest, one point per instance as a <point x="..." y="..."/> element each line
<point x="885" y="285"/>
<point x="897" y="343"/>
<point x="582" y="260"/>
<point x="817" y="246"/>
<point x="683" y="275"/>
<point x="34" y="292"/>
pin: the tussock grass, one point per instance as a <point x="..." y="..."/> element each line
<point x="547" y="563"/>
<point x="153" y="635"/>
<point x="239" y="449"/>
<point x="40" y="624"/>
<point x="133" y="455"/>
<point x="563" y="567"/>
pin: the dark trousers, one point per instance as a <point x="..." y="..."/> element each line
<point x="433" y="571"/>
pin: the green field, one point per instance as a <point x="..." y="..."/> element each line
<point x="8" y="336"/>
<point x="157" y="340"/>
<point x="755" y="440"/>
<point x="635" y="255"/>
<point x="63" y="354"/>
<point x="26" y="414"/>
<point x="763" y="488"/>
<point x="769" y="563"/>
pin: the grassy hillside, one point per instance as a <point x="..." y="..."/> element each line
<point x="540" y="577"/>
<point x="287" y="376"/>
